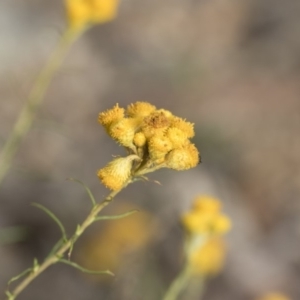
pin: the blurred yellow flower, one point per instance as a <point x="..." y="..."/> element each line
<point x="209" y="258"/>
<point x="274" y="296"/>
<point x="82" y="13"/>
<point x="107" y="248"/>
<point x="206" y="217"/>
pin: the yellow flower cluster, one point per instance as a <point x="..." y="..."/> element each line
<point x="274" y="296"/>
<point x="206" y="217"/>
<point x="85" y="12"/>
<point x="154" y="139"/>
<point x="107" y="247"/>
<point x="205" y="224"/>
<point x="208" y="259"/>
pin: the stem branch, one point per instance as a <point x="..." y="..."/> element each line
<point x="54" y="258"/>
<point x="34" y="101"/>
<point x="178" y="284"/>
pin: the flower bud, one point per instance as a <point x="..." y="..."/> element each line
<point x="140" y="109"/>
<point x="158" y="147"/>
<point x="139" y="139"/>
<point x="110" y="116"/>
<point x="177" y="137"/>
<point x="186" y="127"/>
<point x="183" y="158"/>
<point x="117" y="172"/>
<point x="84" y="12"/>
<point x="123" y="131"/>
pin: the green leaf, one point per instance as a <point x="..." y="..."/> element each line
<point x="54" y="218"/>
<point x="76" y="266"/>
<point x="116" y="217"/>
<point x="9" y="295"/>
<point x="35" y="265"/>
<point x="56" y="246"/>
<point x="90" y="194"/>
<point x="25" y="272"/>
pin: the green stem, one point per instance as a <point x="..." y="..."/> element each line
<point x="55" y="257"/>
<point x="179" y="284"/>
<point x="196" y="288"/>
<point x="34" y="101"/>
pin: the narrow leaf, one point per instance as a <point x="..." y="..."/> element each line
<point x="9" y="295"/>
<point x="76" y="266"/>
<point x="54" y="218"/>
<point x="115" y="217"/>
<point x="56" y="246"/>
<point x="25" y="272"/>
<point x="90" y="194"/>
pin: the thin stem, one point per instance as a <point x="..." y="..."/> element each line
<point x="55" y="257"/>
<point x="178" y="284"/>
<point x="34" y="101"/>
<point x="196" y="288"/>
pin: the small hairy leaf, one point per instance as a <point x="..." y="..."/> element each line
<point x="116" y="217"/>
<point x="76" y="266"/>
<point x="25" y="272"/>
<point x="90" y="194"/>
<point x="54" y="218"/>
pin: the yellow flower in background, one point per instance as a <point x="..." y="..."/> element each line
<point x="274" y="296"/>
<point x="82" y="13"/>
<point x="206" y="217"/>
<point x="156" y="136"/>
<point x="106" y="248"/>
<point x="209" y="258"/>
<point x="205" y="224"/>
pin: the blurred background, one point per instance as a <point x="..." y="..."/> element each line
<point x="232" y="67"/>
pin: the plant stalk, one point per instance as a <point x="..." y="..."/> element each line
<point x="34" y="101"/>
<point x="55" y="257"/>
<point x="179" y="284"/>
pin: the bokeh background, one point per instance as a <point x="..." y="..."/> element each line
<point x="232" y="67"/>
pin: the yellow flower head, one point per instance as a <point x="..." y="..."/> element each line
<point x="183" y="158"/>
<point x="274" y="296"/>
<point x="206" y="217"/>
<point x="156" y="136"/>
<point x="156" y="122"/>
<point x="207" y="204"/>
<point x="140" y="109"/>
<point x="81" y="13"/>
<point x="117" y="172"/>
<point x="110" y="116"/>
<point x="177" y="137"/>
<point x="159" y="146"/>
<point x="107" y="247"/>
<point x="186" y="127"/>
<point x="209" y="258"/>
<point x="123" y="131"/>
